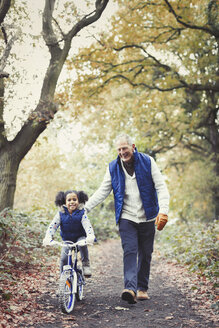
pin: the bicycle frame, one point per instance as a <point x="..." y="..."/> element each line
<point x="72" y="265"/>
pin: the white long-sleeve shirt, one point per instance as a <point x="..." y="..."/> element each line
<point x="132" y="206"/>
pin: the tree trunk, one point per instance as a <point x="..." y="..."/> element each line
<point x="8" y="175"/>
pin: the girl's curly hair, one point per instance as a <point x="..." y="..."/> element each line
<point x="61" y="197"/>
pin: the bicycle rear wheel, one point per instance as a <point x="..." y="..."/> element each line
<point x="66" y="295"/>
<point x="80" y="286"/>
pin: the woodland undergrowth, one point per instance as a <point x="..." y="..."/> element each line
<point x="194" y="245"/>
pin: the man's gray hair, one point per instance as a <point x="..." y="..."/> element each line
<point x="125" y="137"/>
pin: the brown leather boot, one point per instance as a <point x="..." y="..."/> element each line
<point x="142" y="295"/>
<point x="129" y="296"/>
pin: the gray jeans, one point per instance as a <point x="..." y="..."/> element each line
<point x="84" y="256"/>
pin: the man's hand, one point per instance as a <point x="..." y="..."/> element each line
<point x="161" y="221"/>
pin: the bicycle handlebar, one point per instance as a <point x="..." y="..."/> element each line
<point x="69" y="243"/>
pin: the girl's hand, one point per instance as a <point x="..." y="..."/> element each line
<point x="47" y="240"/>
<point x="90" y="239"/>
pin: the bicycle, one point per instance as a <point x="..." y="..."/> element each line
<point x="71" y="283"/>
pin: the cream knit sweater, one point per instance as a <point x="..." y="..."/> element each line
<point x="132" y="207"/>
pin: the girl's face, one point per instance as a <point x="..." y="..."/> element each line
<point x="71" y="202"/>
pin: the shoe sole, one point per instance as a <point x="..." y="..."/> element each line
<point x="126" y="296"/>
<point x="143" y="298"/>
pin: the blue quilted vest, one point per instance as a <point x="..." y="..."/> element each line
<point x="142" y="167"/>
<point x="70" y="225"/>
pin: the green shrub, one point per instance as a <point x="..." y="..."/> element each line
<point x="195" y="244"/>
<point x="103" y="222"/>
<point x="21" y="236"/>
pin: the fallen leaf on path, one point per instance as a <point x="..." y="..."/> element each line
<point x="169" y="318"/>
<point x="69" y="319"/>
<point x="119" y="308"/>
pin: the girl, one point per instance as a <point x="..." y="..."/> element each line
<point x="74" y="225"/>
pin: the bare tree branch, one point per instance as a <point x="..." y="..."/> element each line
<point x="134" y="84"/>
<point x="4" y="34"/>
<point x="7" y="50"/>
<point x="89" y="19"/>
<point x="191" y="26"/>
<point x="4" y="7"/>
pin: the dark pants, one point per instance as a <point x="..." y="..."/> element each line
<point x="137" y="243"/>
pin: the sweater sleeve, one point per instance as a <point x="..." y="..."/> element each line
<point x="87" y="225"/>
<point x="101" y="193"/>
<point x="55" y="223"/>
<point x="161" y="188"/>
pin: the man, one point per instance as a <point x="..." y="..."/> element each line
<point x="141" y="197"/>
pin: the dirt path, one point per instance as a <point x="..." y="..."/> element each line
<point x="103" y="307"/>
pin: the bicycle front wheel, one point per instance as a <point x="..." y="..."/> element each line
<point x="66" y="295"/>
<point x="80" y="286"/>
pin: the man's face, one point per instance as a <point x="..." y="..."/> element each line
<point x="125" y="151"/>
